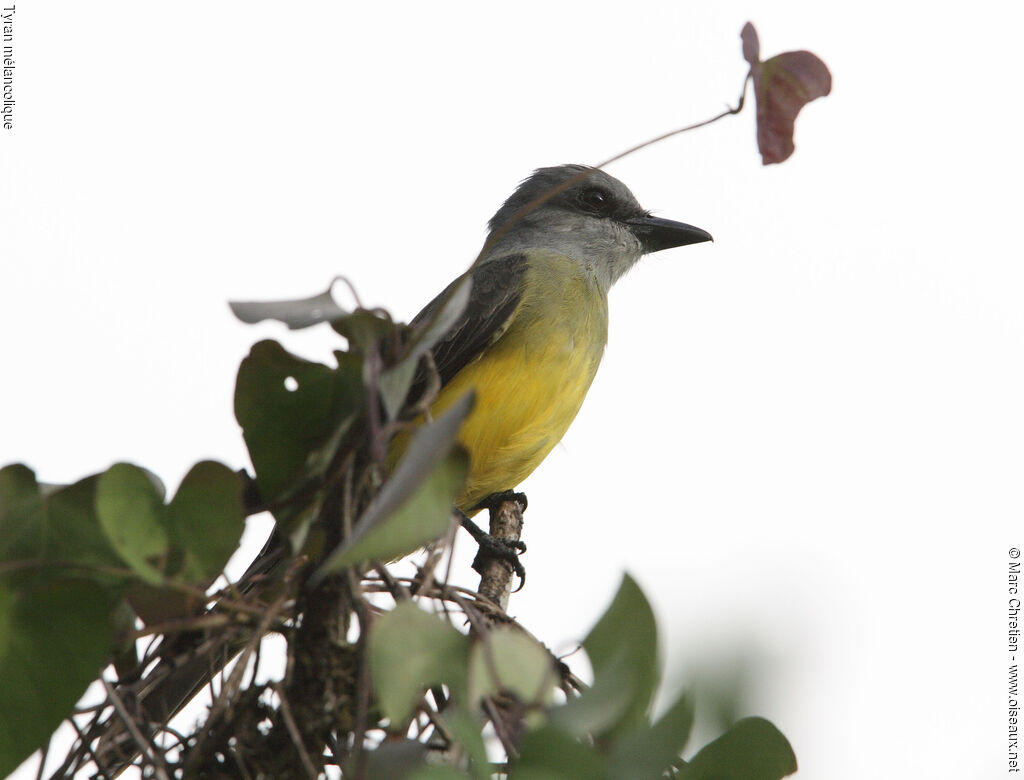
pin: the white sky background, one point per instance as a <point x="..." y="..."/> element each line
<point x="806" y="440"/>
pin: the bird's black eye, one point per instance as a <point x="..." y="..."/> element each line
<point x="596" y="199"/>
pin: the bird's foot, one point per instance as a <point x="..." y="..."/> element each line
<point x="495" y="548"/>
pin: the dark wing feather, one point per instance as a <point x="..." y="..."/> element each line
<point x="493" y="298"/>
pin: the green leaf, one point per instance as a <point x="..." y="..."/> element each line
<point x="429" y="773"/>
<point x="363" y="329"/>
<point x="508" y="660"/>
<point x="293" y="414"/>
<point x="72" y="532"/>
<point x="21" y="515"/>
<point x="157" y="604"/>
<point x="414" y="506"/>
<point x="468" y="732"/>
<point x="548" y="753"/>
<point x="295" y="314"/>
<point x="599" y="708"/>
<point x="54" y="639"/>
<point x="410" y="651"/>
<point x="207" y="519"/>
<point x="17" y="486"/>
<point x="124" y="652"/>
<point x="753" y="749"/>
<point x="623" y="651"/>
<point x="430" y="443"/>
<point x="395" y="758"/>
<point x="650" y="750"/>
<point x="53" y="530"/>
<point x="132" y="515"/>
<point x="394" y="385"/>
<point x="424" y="517"/>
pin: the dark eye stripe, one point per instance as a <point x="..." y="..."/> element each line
<point x="595" y="199"/>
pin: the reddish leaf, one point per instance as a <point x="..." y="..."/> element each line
<point x="783" y="85"/>
<point x="751" y="45"/>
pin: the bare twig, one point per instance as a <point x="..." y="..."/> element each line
<point x="42" y="760"/>
<point x="180" y="625"/>
<point x="293" y="731"/>
<point x="85" y="748"/>
<point x="496" y="580"/>
<point x="500" y="728"/>
<point x="398" y="591"/>
<point x="440" y="725"/>
<point x="144" y="745"/>
<point x="351" y="288"/>
<point x="373" y="366"/>
<point x="234" y="681"/>
<point x="729" y="111"/>
<point x="246" y="774"/>
<point x="363" y="677"/>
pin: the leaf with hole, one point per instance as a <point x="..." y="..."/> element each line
<point x="293" y="413"/>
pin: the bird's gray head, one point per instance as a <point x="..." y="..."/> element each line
<point x="594" y="219"/>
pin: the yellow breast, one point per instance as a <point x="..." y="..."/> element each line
<point x="531" y="383"/>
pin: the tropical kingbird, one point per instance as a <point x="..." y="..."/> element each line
<point x="533" y="333"/>
<point x="529" y="342"/>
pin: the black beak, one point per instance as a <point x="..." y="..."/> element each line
<point x="656" y="233"/>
